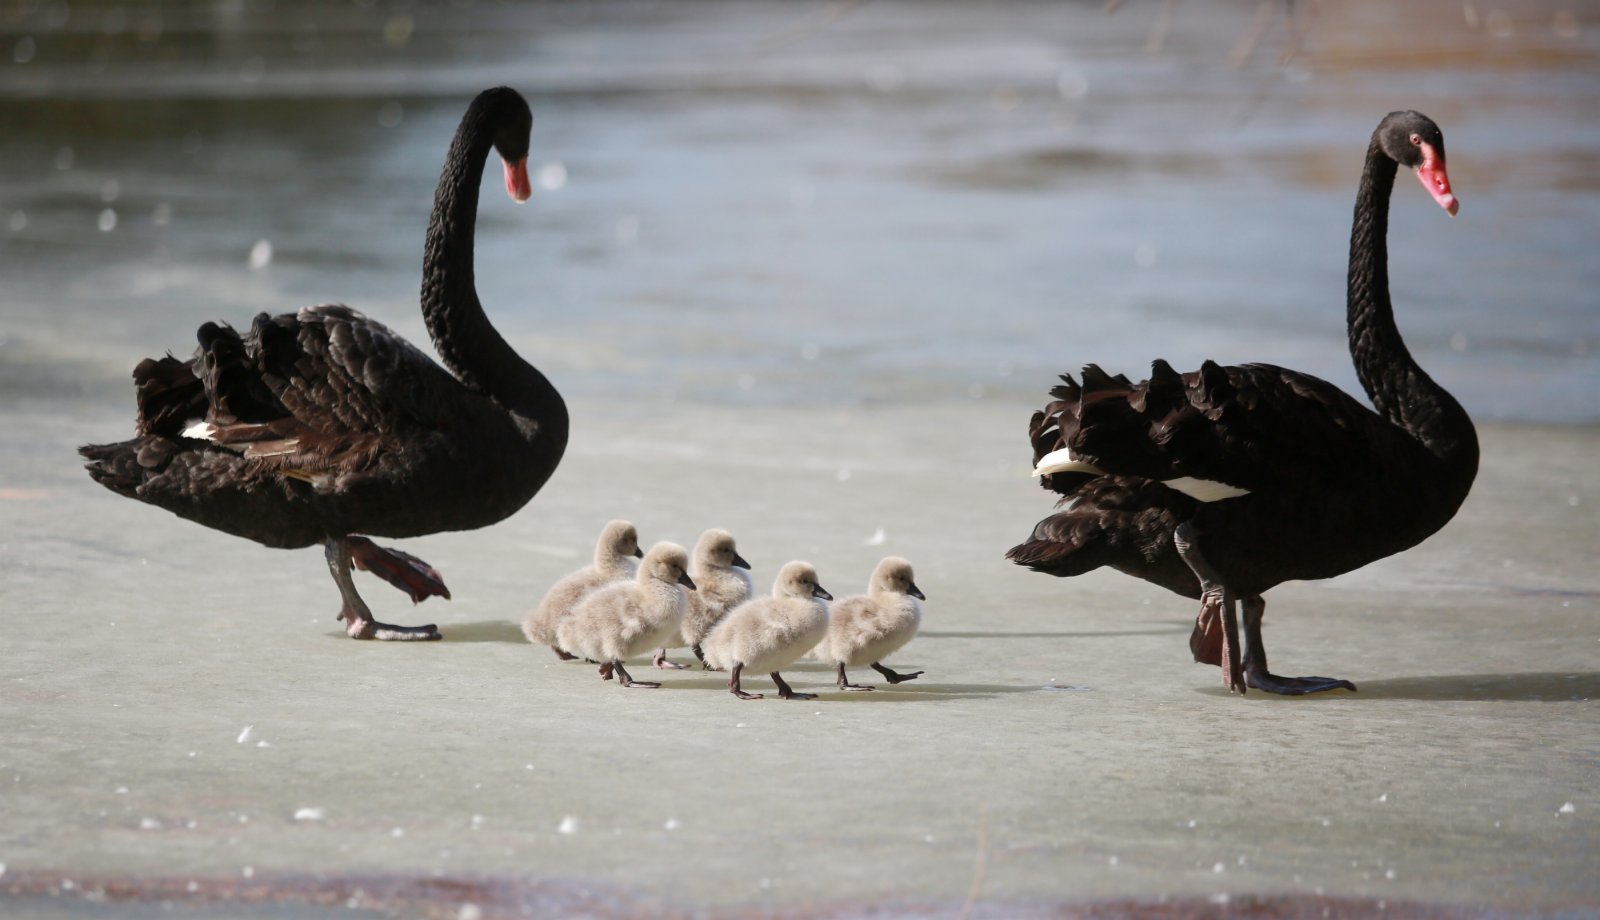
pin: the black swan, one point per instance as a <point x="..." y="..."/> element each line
<point x="1224" y="482"/>
<point x="317" y="426"/>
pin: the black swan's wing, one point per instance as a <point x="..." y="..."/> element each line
<point x="1247" y="428"/>
<point x="324" y="390"/>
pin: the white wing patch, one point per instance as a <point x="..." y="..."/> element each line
<point x="1062" y="461"/>
<point x="200" y="430"/>
<point x="1204" y="490"/>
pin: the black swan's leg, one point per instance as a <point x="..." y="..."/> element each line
<point x="1255" y="660"/>
<point x="627" y="681"/>
<point x="416" y="578"/>
<point x="733" y="685"/>
<point x="563" y="654"/>
<point x="788" y="692"/>
<point x="844" y="682"/>
<point x="359" y="623"/>
<point x="1216" y="602"/>
<point x="661" y="662"/>
<point x="894" y="677"/>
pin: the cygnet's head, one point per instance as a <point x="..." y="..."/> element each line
<point x="620" y="539"/>
<point x="667" y="562"/>
<point x="716" y="550"/>
<point x="894" y="574"/>
<point x="799" y="579"/>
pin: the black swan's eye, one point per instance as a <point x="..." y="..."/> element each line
<point x="1416" y="139"/>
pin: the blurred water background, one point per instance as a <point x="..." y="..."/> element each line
<point x="779" y="204"/>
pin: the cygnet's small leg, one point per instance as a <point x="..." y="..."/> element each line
<point x="733" y="685"/>
<point x="627" y="681"/>
<point x="788" y="692"/>
<point x="605" y="671"/>
<point x="563" y="654"/>
<point x="844" y="682"/>
<point x="700" y="653"/>
<point x="359" y="622"/>
<point x="1216" y="600"/>
<point x="1255" y="660"/>
<point x="661" y="662"/>
<point x="894" y="677"/>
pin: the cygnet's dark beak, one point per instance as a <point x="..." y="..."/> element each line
<point x="686" y="581"/>
<point x="916" y="592"/>
<point x="638" y="553"/>
<point x="818" y="592"/>
<point x="739" y="563"/>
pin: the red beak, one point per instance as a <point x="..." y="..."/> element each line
<point x="517" y="184"/>
<point x="1436" y="180"/>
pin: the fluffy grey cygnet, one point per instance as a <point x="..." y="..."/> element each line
<point x="629" y="618"/>
<point x="616" y="558"/>
<point x="721" y="581"/>
<point x="865" y="629"/>
<point x="769" y="633"/>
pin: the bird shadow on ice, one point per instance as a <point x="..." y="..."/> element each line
<point x="1184" y="627"/>
<point x="1527" y="687"/>
<point x="912" y="692"/>
<point x="483" y="631"/>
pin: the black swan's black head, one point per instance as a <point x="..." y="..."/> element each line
<point x="505" y="113"/>
<point x="1415" y="142"/>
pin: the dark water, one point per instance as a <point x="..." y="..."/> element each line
<point x="811" y="202"/>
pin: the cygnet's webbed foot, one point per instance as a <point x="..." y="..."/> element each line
<point x="661" y="662"/>
<point x="1295" y="686"/>
<point x="844" y="682"/>
<point x="733" y="685"/>
<point x="894" y="677"/>
<point x="605" y="670"/>
<point x="625" y="680"/>
<point x="788" y="692"/>
<point x="358" y="620"/>
<point x="416" y="578"/>
<point x="563" y="654"/>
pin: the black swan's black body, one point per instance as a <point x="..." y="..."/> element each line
<point x="1312" y="482"/>
<point x="324" y="424"/>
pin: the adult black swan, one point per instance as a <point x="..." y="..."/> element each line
<point x="317" y="426"/>
<point x="1222" y="483"/>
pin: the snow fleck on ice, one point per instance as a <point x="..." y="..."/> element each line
<point x="261" y="254"/>
<point x="398" y="832"/>
<point x="1384" y="797"/>
<point x="262" y="744"/>
<point x="1568" y="809"/>
<point x="122" y="790"/>
<point x="1219" y="868"/>
<point x="672" y="824"/>
<point x="248" y="872"/>
<point x="149" y="824"/>
<point x="309" y="813"/>
<point x="477" y="821"/>
<point x="245" y="735"/>
<point x="568" y="825"/>
<point x="469" y="912"/>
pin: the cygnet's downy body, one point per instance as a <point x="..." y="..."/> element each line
<point x="865" y="629"/>
<point x="616" y="558"/>
<point x="629" y="618"/>
<point x="721" y="581"/>
<point x="770" y="633"/>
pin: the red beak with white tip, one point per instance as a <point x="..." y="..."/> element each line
<point x="517" y="184"/>
<point x="1436" y="180"/>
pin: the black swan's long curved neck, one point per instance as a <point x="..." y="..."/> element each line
<point x="1401" y="391"/>
<point x="467" y="342"/>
